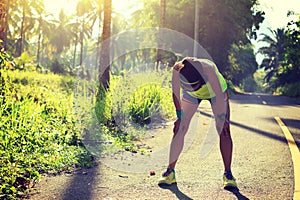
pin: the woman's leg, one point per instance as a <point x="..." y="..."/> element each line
<point x="177" y="143"/>
<point x="226" y="142"/>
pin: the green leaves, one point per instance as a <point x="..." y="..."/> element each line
<point x="281" y="61"/>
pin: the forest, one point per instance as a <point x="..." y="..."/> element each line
<point x="72" y="84"/>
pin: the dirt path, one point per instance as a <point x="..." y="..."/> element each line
<point x="262" y="171"/>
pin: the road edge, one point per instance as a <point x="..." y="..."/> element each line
<point x="295" y="156"/>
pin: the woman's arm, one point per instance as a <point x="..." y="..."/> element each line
<point x="176" y="97"/>
<point x="176" y="87"/>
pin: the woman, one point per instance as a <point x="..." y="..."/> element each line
<point x="199" y="79"/>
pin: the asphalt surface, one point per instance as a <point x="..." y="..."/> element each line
<point x="262" y="162"/>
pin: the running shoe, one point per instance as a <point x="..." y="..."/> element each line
<point x="229" y="180"/>
<point x="168" y="178"/>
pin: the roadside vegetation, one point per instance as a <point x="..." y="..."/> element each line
<point x="39" y="132"/>
<point x="47" y="119"/>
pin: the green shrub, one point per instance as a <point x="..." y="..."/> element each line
<point x="6" y="60"/>
<point x="25" y="62"/>
<point x="125" y="103"/>
<point x="290" y="90"/>
<point x="145" y="104"/>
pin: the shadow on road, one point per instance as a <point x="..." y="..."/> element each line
<point x="295" y="123"/>
<point x="173" y="188"/>
<point x="81" y="185"/>
<point x="294" y="127"/>
<point x="268" y="99"/>
<point x="236" y="192"/>
<point x="254" y="130"/>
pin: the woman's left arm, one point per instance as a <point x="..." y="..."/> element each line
<point x="219" y="106"/>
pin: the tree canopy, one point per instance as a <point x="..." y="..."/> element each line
<point x="225" y="30"/>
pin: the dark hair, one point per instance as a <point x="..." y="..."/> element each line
<point x="191" y="72"/>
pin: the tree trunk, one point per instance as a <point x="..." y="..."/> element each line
<point x="74" y="52"/>
<point x="81" y="41"/>
<point x="21" y="39"/>
<point x="196" y="28"/>
<point x="39" y="42"/>
<point x="104" y="66"/>
<point x="162" y="22"/>
<point x="4" y="7"/>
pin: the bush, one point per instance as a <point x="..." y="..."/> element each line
<point x="290" y="90"/>
<point x="57" y="68"/>
<point x="6" y="60"/>
<point x="134" y="100"/>
<point x="145" y="103"/>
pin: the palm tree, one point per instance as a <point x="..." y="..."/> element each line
<point x="62" y="34"/>
<point x="273" y="52"/>
<point x="84" y="12"/>
<point x="45" y="25"/>
<point x="44" y="30"/>
<point x="104" y="66"/>
<point x="27" y="21"/>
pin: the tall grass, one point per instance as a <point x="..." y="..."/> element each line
<point x="38" y="131"/>
<point x="135" y="101"/>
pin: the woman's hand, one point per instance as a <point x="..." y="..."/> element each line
<point x="222" y="126"/>
<point x="176" y="126"/>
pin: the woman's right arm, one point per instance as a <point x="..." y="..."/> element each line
<point x="176" y="89"/>
<point x="176" y="99"/>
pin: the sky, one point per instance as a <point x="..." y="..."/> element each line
<point x="276" y="11"/>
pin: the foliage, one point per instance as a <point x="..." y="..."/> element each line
<point x="39" y="132"/>
<point x="242" y="61"/>
<point x="259" y="79"/>
<point x="290" y="90"/>
<point x="274" y="52"/>
<point x="6" y="60"/>
<point x="291" y="71"/>
<point x="25" y="62"/>
<point x="281" y="61"/>
<point x="249" y="84"/>
<point x="224" y="23"/>
<point x="103" y="106"/>
<point x="42" y="36"/>
<point x="132" y="99"/>
<point x="57" y="67"/>
<point x="145" y="104"/>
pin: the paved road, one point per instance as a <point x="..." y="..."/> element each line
<point x="262" y="160"/>
<point x="253" y="116"/>
<point x="287" y="109"/>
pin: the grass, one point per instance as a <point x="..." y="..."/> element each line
<point x="52" y="123"/>
<point x="39" y="132"/>
<point x="134" y="102"/>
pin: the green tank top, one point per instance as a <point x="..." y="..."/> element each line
<point x="206" y="91"/>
